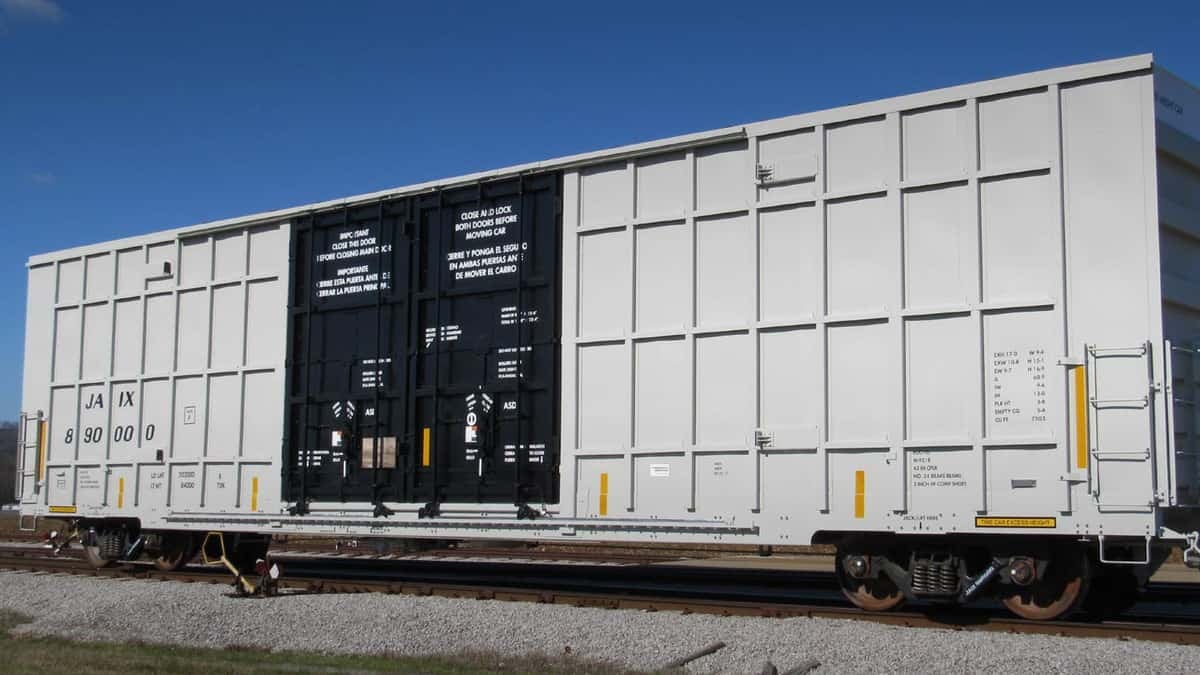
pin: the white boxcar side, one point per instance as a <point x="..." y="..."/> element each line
<point x="940" y="313"/>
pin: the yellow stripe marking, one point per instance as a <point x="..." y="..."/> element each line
<point x="425" y="447"/>
<point x="604" y="494"/>
<point x="1081" y="420"/>
<point x="1040" y="523"/>
<point x="62" y="509"/>
<point x="41" y="464"/>
<point x="120" y="493"/>
<point x="254" y="493"/>
<point x="860" y="494"/>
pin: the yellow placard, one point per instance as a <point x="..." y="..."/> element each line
<point x="62" y="509"/>
<point x="860" y="494"/>
<point x="1081" y="420"/>
<point x="1039" y="523"/>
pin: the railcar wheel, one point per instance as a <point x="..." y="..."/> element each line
<point x="177" y="549"/>
<point x="102" y="548"/>
<point x="877" y="594"/>
<point x="1060" y="591"/>
<point x="92" y="554"/>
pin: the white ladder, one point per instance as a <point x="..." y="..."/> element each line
<point x="30" y="449"/>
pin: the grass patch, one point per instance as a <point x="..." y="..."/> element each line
<point x="54" y="655"/>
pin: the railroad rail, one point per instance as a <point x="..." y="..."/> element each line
<point x="660" y="587"/>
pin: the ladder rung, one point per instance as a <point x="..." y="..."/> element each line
<point x="1121" y="403"/>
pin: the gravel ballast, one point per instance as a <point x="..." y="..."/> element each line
<point x="205" y="615"/>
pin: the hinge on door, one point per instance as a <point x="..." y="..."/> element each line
<point x="763" y="439"/>
<point x="1074" y="477"/>
<point x="763" y="172"/>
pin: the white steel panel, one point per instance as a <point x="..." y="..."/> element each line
<point x="220" y="487"/>
<point x="792" y="398"/>
<point x="189" y="418"/>
<point x="943" y="486"/>
<point x="64" y="416"/>
<point x="90" y="487"/>
<point x="862" y="368"/>
<point x="229" y="255"/>
<point x="160" y="334"/>
<point x="262" y="425"/>
<point x="660" y="484"/>
<point x="67" y="335"/>
<point x="1014" y="131"/>
<point x="664" y="298"/>
<point x="941" y="378"/>
<point x="863" y="255"/>
<point x="268" y="250"/>
<point x="70" y="281"/>
<point x="663" y="394"/>
<point x="1105" y="191"/>
<point x="100" y="278"/>
<point x="936" y="142"/>
<point x="227" y="337"/>
<point x="152" y="487"/>
<point x="127" y="337"/>
<point x="195" y="261"/>
<point x="266" y="325"/>
<point x="185" y="486"/>
<point x="120" y="490"/>
<point x="131" y="270"/>
<point x="1024" y="481"/>
<point x="604" y="283"/>
<point x="793" y="492"/>
<point x="940" y="248"/>
<point x="97" y="341"/>
<point x="589" y="495"/>
<point x="723" y="175"/>
<point x="724" y="271"/>
<point x="1022" y="392"/>
<point x="224" y="416"/>
<point x="156" y="419"/>
<point x="60" y="485"/>
<point x="663" y="186"/>
<point x="259" y="488"/>
<point x="858" y="157"/>
<point x="1020" y="238"/>
<point x="725" y="390"/>
<point x="790" y="263"/>
<point x="191" y="351"/>
<point x="605" y="197"/>
<point x="39" y="340"/>
<point x="604" y="396"/>
<point x="722" y="479"/>
<point x="881" y="486"/>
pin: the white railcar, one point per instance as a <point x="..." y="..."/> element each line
<point x="952" y="333"/>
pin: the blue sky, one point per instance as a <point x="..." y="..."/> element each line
<point x="119" y="118"/>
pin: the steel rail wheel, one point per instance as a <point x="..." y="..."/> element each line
<point x="93" y="557"/>
<point x="177" y="550"/>
<point x="1059" y="592"/>
<point x="878" y="594"/>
